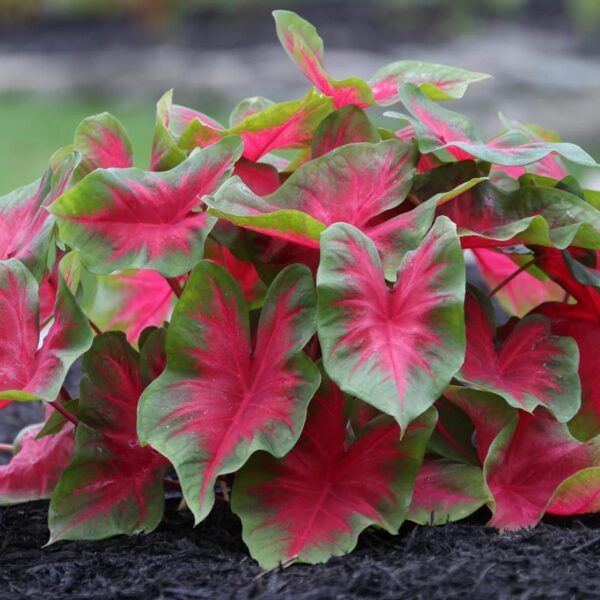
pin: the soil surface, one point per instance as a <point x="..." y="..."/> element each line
<point x="558" y="559"/>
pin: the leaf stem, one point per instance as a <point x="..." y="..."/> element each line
<point x="95" y="327"/>
<point x="506" y="281"/>
<point x="174" y="286"/>
<point x="57" y="406"/>
<point x="7" y="448"/>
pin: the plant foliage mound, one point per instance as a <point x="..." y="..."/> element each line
<point x="276" y="314"/>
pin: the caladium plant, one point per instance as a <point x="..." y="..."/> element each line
<point x="279" y="314"/>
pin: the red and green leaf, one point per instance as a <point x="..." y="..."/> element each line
<point x="348" y="125"/>
<point x="394" y="346"/>
<point x="277" y="127"/>
<point x="25" y="225"/>
<point x="522" y="293"/>
<point x="438" y="128"/>
<point x="437" y="82"/>
<point x="103" y="143"/>
<point x="486" y="215"/>
<point x="171" y="121"/>
<point x="128" y="301"/>
<point x="224" y="395"/>
<point x="351" y="184"/>
<point x="529" y="367"/>
<point x="304" y="46"/>
<point x="127" y="218"/>
<point x="527" y="460"/>
<point x="313" y="503"/>
<point x="113" y="485"/>
<point x="447" y="491"/>
<point x="36" y="467"/>
<point x="453" y="434"/>
<point x="28" y="371"/>
<point x="577" y="495"/>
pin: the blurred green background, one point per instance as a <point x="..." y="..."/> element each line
<point x="62" y="60"/>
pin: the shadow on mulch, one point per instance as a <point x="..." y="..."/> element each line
<point x="558" y="559"/>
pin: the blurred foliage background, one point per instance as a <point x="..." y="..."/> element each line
<point x="61" y="60"/>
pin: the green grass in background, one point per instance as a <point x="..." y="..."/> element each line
<point x="33" y="127"/>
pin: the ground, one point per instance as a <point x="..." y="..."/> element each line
<point x="558" y="559"/>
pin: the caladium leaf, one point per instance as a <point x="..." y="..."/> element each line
<point x="128" y="301"/>
<point x="103" y="143"/>
<point x="559" y="266"/>
<point x="127" y="218"/>
<point x="313" y="503"/>
<point x="224" y="396"/>
<point x="353" y="184"/>
<point x="550" y="166"/>
<point x="581" y="321"/>
<point x="438" y="128"/>
<point x="521" y="294"/>
<point x="113" y="485"/>
<point x="153" y="354"/>
<point x="26" y="371"/>
<point x="56" y="421"/>
<point x="248" y="107"/>
<point x="395" y="347"/>
<point x="530" y="367"/>
<point x="276" y="127"/>
<point x="261" y="178"/>
<point x="37" y="465"/>
<point x="171" y="121"/>
<point x="438" y="82"/>
<point x="305" y="47"/>
<point x="529" y="457"/>
<point x="447" y="491"/>
<point x="348" y="125"/>
<point x="584" y="274"/>
<point x="25" y="225"/>
<point x="486" y="215"/>
<point x="489" y="413"/>
<point x="577" y="495"/>
<point x="243" y="272"/>
<point x="453" y="434"/>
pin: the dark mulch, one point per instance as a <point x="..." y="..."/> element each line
<point x="555" y="560"/>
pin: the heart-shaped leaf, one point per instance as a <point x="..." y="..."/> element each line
<point x="25" y="225"/>
<point x="313" y="503"/>
<point x="276" y="127"/>
<point x="395" y="347"/>
<point x="486" y="215"/>
<point x="223" y="395"/>
<point x="304" y="46"/>
<point x="348" y="125"/>
<point x="438" y="128"/>
<point x="127" y="218"/>
<point x="171" y="121"/>
<point x="438" y="82"/>
<point x="37" y="465"/>
<point x="529" y="367"/>
<point x="352" y="184"/>
<point x="128" y="301"/>
<point x="447" y="491"/>
<point x="103" y="143"/>
<point x="113" y="485"/>
<point x="529" y="457"/>
<point x="522" y="293"/>
<point x="29" y="372"/>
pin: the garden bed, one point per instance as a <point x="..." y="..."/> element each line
<point x="557" y="559"/>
